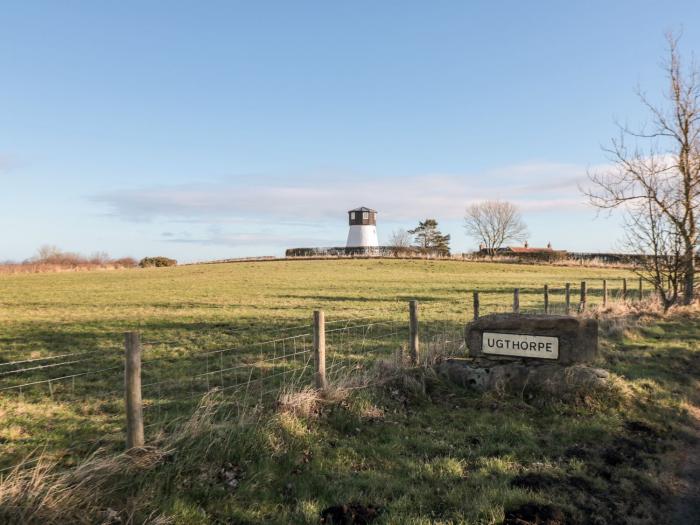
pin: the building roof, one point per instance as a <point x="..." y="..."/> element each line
<point x="363" y="208"/>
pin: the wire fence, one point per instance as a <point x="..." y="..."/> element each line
<point x="83" y="392"/>
<point x="249" y="372"/>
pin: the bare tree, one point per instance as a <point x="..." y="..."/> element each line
<point x="47" y="252"/>
<point x="658" y="249"/>
<point x="664" y="176"/>
<point x="400" y="239"/>
<point x="494" y="223"/>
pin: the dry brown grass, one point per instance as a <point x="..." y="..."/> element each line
<point x="47" y="494"/>
<point x="619" y="318"/>
<point x="622" y="318"/>
<point x="592" y="263"/>
<point x="304" y="402"/>
<point x="54" y="267"/>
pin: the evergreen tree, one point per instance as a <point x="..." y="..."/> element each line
<point x="428" y="238"/>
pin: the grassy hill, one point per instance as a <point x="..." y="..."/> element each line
<point x="91" y="307"/>
<point x="403" y="444"/>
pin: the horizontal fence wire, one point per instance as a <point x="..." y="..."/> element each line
<point x="269" y="367"/>
<point x="355" y="348"/>
<point x="59" y="379"/>
<point x="60" y="356"/>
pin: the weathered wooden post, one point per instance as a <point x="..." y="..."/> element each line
<point x="624" y="288"/>
<point x="546" y="299"/>
<point x="567" y="298"/>
<point x="476" y="305"/>
<point x="605" y="292"/>
<point x="516" y="301"/>
<point x="584" y="296"/>
<point x="320" y="348"/>
<point x="641" y="290"/>
<point x="413" y="331"/>
<point x="132" y="391"/>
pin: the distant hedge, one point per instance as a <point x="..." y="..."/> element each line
<point x="157" y="262"/>
<point x="543" y="256"/>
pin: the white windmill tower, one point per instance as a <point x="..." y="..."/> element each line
<point x="363" y="229"/>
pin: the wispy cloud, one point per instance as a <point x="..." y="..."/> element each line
<point x="534" y="187"/>
<point x="310" y="211"/>
<point x="249" y="239"/>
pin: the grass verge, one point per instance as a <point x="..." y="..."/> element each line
<point x="404" y="446"/>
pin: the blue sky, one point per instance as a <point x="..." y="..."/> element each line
<point x="204" y="130"/>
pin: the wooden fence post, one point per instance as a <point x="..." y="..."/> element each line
<point x="605" y="292"/>
<point x="567" y="298"/>
<point x="476" y="305"/>
<point x="584" y="296"/>
<point x="516" y="301"/>
<point x="641" y="290"/>
<point x="132" y="391"/>
<point x="546" y="299"/>
<point x="413" y="332"/>
<point x="320" y="348"/>
<point x="624" y="288"/>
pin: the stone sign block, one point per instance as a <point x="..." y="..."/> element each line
<point x="556" y="338"/>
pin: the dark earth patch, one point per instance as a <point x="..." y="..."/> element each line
<point x="534" y="481"/>
<point x="625" y="451"/>
<point x="577" y="452"/>
<point x="639" y="427"/>
<point x="350" y="514"/>
<point x="534" y="514"/>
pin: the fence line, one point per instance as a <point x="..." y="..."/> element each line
<point x="254" y="372"/>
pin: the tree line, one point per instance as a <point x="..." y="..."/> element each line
<point x="491" y="223"/>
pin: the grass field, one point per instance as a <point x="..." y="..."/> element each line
<point x="51" y="312"/>
<point x="436" y="454"/>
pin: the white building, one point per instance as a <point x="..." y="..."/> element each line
<point x="363" y="228"/>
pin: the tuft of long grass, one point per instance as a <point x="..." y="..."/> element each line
<point x="45" y="493"/>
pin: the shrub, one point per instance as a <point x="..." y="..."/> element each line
<point x="157" y="262"/>
<point x="125" y="262"/>
<point x="549" y="256"/>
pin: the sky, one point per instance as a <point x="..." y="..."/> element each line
<point x="212" y="130"/>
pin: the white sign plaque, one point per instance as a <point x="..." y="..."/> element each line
<point x="521" y="345"/>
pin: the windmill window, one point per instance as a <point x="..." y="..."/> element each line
<point x="352" y="215"/>
<point x="365" y="215"/>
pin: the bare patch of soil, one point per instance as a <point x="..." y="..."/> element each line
<point x="615" y="489"/>
<point x="534" y="481"/>
<point x="350" y="514"/>
<point x="534" y="514"/>
<point x="686" y="508"/>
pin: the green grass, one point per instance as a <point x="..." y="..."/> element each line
<point x="44" y="313"/>
<point x="446" y="455"/>
<point x="443" y="455"/>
